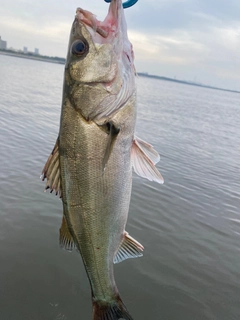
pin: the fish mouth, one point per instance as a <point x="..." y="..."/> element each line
<point x="106" y="29"/>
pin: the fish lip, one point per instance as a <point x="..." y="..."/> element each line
<point x="106" y="28"/>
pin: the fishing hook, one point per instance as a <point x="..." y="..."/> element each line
<point x="126" y="4"/>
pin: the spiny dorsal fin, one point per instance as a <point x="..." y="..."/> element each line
<point x="144" y="158"/>
<point x="129" y="248"/>
<point x="112" y="131"/>
<point x="65" y="239"/>
<point x="51" y="171"/>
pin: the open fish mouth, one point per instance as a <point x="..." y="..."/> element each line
<point x="106" y="29"/>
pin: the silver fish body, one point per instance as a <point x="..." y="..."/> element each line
<point x="91" y="163"/>
<point x="96" y="200"/>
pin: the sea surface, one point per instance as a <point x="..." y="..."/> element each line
<point x="190" y="226"/>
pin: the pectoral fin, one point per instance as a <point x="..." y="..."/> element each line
<point x="129" y="248"/>
<point x="51" y="171"/>
<point x="144" y="158"/>
<point x="112" y="132"/>
<point x="65" y="238"/>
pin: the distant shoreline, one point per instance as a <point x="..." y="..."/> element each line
<point x="33" y="57"/>
<point x="58" y="60"/>
<point x="185" y="82"/>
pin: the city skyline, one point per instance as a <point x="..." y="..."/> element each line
<point x="3" y="45"/>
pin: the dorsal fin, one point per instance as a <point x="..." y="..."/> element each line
<point x="129" y="248"/>
<point x="51" y="171"/>
<point x="144" y="158"/>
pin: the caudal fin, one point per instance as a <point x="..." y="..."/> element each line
<point x="106" y="311"/>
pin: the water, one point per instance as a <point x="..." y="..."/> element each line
<point x="190" y="226"/>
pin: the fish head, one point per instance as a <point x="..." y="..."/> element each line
<point x="100" y="63"/>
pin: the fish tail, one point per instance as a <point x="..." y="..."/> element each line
<point x="110" y="311"/>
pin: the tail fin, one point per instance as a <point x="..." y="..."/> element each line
<point x="110" y="311"/>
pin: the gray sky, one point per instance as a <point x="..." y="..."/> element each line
<point x="196" y="40"/>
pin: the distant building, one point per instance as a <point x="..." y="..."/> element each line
<point x="25" y="49"/>
<point x="3" y="44"/>
<point x="36" y="51"/>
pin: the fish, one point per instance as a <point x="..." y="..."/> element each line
<point x="91" y="164"/>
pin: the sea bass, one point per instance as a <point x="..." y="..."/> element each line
<point x="91" y="164"/>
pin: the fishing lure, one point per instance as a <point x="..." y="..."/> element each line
<point x="126" y="4"/>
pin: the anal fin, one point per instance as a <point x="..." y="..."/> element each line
<point x="129" y="248"/>
<point x="144" y="158"/>
<point x="51" y="171"/>
<point x="65" y="238"/>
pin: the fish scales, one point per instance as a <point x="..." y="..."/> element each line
<point x="101" y="198"/>
<point x="91" y="164"/>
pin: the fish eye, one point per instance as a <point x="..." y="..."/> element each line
<point x="79" y="47"/>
